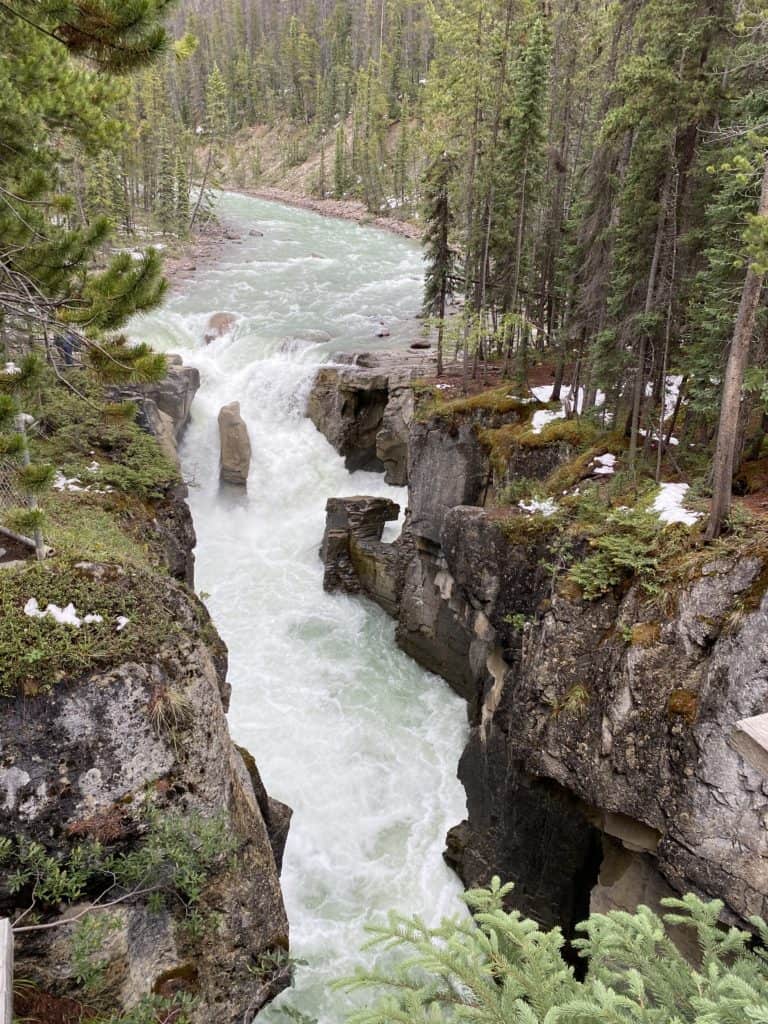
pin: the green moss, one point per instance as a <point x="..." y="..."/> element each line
<point x="570" y="473"/>
<point x="528" y="528"/>
<point x="76" y="433"/>
<point x="498" y="400"/>
<point x="575" y="432"/>
<point x="82" y="526"/>
<point x="35" y="653"/>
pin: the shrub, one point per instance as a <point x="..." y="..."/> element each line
<point x="498" y="967"/>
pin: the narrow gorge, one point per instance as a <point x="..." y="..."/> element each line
<point x="346" y="729"/>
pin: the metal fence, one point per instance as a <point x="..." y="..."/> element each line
<point x="11" y="498"/>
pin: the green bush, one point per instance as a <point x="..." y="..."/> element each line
<point x="500" y="968"/>
<point x="624" y="547"/>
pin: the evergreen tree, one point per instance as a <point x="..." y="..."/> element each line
<point x="340" y="163"/>
<point x="500" y="967"/>
<point x="438" y="254"/>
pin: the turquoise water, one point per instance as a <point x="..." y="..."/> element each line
<point x="360" y="741"/>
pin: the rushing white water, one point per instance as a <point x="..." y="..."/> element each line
<point x="345" y="728"/>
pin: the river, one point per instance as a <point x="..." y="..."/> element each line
<point x="360" y="741"/>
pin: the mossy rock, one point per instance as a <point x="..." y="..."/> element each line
<point x="37" y="652"/>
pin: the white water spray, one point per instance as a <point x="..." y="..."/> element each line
<point x="344" y="727"/>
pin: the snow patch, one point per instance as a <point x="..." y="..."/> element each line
<point x="669" y="505"/>
<point x="122" y="622"/>
<point x="547" y="507"/>
<point x="544" y="394"/>
<point x="605" y="465"/>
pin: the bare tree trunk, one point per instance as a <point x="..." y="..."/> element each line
<point x="637" y="392"/>
<point x="725" y="450"/>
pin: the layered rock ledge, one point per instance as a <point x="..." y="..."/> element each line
<point x="612" y="756"/>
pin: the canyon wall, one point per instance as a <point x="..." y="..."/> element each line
<point x="104" y="753"/>
<point x="606" y="762"/>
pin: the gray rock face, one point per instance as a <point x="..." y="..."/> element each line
<point x="347" y="407"/>
<point x="355" y="559"/>
<point x="447" y="467"/>
<point x="365" y="409"/>
<point x="89" y="752"/>
<point x="235" y="446"/>
<point x="606" y="732"/>
<point x="174" y="394"/>
<point x="392" y="436"/>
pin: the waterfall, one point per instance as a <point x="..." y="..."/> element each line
<point x="359" y="740"/>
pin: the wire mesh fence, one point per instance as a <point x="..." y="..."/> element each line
<point x="12" y="498"/>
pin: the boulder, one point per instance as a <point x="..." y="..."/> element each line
<point x="219" y="324"/>
<point x="235" y="446"/>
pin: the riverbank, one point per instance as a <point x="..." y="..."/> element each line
<point x="343" y="209"/>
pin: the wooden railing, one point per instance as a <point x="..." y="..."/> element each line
<point x="6" y="972"/>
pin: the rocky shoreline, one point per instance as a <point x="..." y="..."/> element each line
<point x="605" y="763"/>
<point x="343" y="209"/>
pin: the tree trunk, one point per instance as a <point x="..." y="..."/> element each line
<point x="637" y="392"/>
<point x="725" y="450"/>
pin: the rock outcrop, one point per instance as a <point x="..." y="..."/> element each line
<point x="355" y="559"/>
<point x="612" y="754"/>
<point x="235" y="446"/>
<point x="90" y="760"/>
<point x="218" y="325"/>
<point x="365" y="409"/>
<point x="347" y="406"/>
<point x="164" y="409"/>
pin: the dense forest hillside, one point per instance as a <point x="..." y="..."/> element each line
<point x="589" y="175"/>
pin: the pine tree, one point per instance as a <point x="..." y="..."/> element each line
<point x="438" y="254"/>
<point x="500" y="967"/>
<point x="52" y="101"/>
<point x="340" y="163"/>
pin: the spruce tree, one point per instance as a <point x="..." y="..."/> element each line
<point x="498" y="967"/>
<point x="438" y="254"/>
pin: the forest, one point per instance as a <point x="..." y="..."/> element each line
<point x="589" y="180"/>
<point x="589" y="176"/>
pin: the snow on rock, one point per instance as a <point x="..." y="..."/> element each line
<point x="64" y="616"/>
<point x="547" y="507"/>
<point x="669" y="505"/>
<point x="605" y="465"/>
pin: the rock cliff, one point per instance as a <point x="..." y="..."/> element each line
<point x="365" y="409"/>
<point x="133" y="737"/>
<point x="604" y="765"/>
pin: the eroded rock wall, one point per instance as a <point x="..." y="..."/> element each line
<point x="602" y="761"/>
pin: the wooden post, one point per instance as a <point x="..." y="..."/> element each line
<point x="6" y="972"/>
